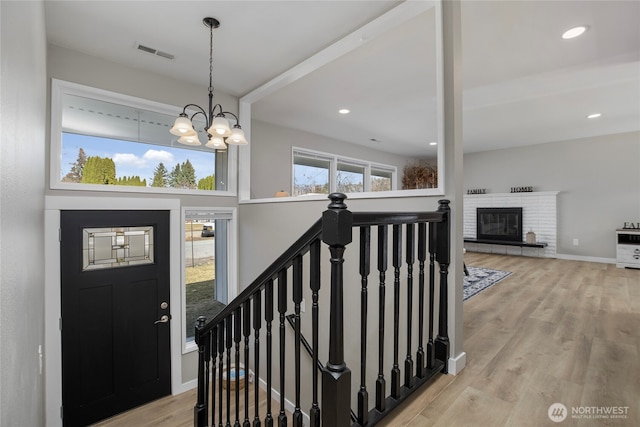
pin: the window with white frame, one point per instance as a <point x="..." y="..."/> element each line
<point x="208" y="282"/>
<point x="315" y="172"/>
<point x="107" y="141"/>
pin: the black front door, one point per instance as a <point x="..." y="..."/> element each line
<point x="115" y="312"/>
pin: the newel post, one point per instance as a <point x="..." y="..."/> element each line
<point x="443" y="249"/>
<point x="337" y="224"/>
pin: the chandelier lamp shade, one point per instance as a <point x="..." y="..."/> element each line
<point x="219" y="130"/>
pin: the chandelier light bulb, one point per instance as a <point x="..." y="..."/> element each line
<point x="182" y="126"/>
<point x="220" y="126"/>
<point x="190" y="140"/>
<point x="237" y="136"/>
<point x="217" y="143"/>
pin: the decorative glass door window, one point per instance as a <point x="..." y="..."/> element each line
<point x="116" y="247"/>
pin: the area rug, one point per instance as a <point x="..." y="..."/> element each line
<point x="479" y="279"/>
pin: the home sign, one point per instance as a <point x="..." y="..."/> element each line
<point x="528" y="189"/>
<point x="631" y="226"/>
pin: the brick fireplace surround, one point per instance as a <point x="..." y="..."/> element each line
<point x="539" y="214"/>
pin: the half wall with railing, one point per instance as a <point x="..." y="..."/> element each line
<point x="395" y="343"/>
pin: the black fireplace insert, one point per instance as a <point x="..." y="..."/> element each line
<point x="499" y="224"/>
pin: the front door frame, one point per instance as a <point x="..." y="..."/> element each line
<point x="52" y="308"/>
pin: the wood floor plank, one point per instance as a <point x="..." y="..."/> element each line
<point x="470" y="408"/>
<point x="613" y="375"/>
<point x="541" y="392"/>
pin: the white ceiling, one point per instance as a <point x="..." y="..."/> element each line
<point x="522" y="83"/>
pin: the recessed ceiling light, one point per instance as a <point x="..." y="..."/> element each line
<point x="344" y="111"/>
<point x="594" y="115"/>
<point x="433" y="143"/>
<point x="574" y="32"/>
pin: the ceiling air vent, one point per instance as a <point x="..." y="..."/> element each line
<point x="153" y="51"/>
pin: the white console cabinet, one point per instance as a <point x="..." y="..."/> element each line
<point x="628" y="248"/>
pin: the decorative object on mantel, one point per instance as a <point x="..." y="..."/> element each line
<point x="216" y="124"/>
<point x="631" y="226"/>
<point x="476" y="191"/>
<point x="480" y="279"/>
<point x="282" y="193"/>
<point x="531" y="237"/>
<point x="528" y="189"/>
<point x="419" y="174"/>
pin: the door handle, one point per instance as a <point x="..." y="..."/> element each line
<point x="164" y="319"/>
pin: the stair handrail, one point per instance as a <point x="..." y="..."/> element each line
<point x="285" y="260"/>
<point x="302" y="244"/>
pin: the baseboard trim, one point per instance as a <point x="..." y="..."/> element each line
<point x="457" y="364"/>
<point x="181" y="388"/>
<point x="586" y="258"/>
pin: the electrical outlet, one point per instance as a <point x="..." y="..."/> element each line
<point x="576" y="242"/>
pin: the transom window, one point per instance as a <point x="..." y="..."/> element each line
<point x="107" y="141"/>
<point x="315" y="172"/>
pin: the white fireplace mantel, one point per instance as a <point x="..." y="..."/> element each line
<point x="539" y="214"/>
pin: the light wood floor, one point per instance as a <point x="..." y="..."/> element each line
<point x="554" y="331"/>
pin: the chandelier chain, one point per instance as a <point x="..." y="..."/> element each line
<point x="211" y="59"/>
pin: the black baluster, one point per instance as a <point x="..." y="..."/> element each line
<point x="365" y="259"/>
<point x="409" y="259"/>
<point x="257" y="325"/>
<point x="200" y="414"/>
<point x="237" y="336"/>
<point x="314" y="278"/>
<point x="214" y="345"/>
<point x="246" y="331"/>
<point x="432" y="292"/>
<point x="422" y="256"/>
<point x="397" y="261"/>
<point x="297" y="300"/>
<point x="443" y="256"/>
<point x="268" y="317"/>
<point x="337" y="223"/>
<point x="221" y="330"/>
<point x="207" y="369"/>
<point x="382" y="269"/>
<point x="229" y="344"/>
<point x="282" y="309"/>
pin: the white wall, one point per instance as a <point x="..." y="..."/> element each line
<point x="22" y="157"/>
<point x="598" y="179"/>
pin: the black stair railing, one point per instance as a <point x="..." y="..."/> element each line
<point x="225" y="341"/>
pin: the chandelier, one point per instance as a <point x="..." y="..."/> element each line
<point x="216" y="125"/>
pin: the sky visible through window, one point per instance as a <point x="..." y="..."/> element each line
<point x="133" y="158"/>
